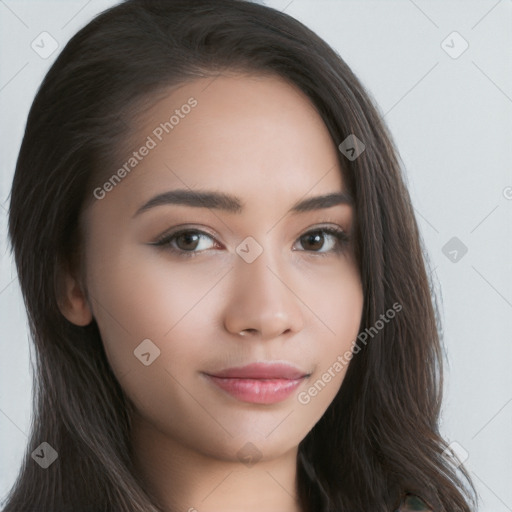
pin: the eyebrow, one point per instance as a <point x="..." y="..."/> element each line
<point x="232" y="204"/>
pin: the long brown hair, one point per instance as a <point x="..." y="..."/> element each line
<point x="379" y="438"/>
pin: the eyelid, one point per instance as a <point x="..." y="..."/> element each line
<point x="184" y="228"/>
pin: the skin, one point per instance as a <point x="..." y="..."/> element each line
<point x="261" y="139"/>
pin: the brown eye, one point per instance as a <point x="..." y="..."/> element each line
<point x="324" y="240"/>
<point x="187" y="241"/>
<point x="312" y="241"/>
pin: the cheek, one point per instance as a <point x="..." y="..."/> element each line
<point x="337" y="306"/>
<point x="135" y="297"/>
<point x="335" y="298"/>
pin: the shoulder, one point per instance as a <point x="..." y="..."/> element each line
<point x="411" y="503"/>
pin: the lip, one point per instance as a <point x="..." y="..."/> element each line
<point x="261" y="371"/>
<point x="260" y="383"/>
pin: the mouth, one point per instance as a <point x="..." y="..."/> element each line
<point x="260" y="383"/>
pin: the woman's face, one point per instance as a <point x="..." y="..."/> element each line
<point x="170" y="310"/>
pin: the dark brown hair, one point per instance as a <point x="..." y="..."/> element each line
<point x="379" y="438"/>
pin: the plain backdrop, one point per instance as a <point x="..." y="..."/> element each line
<point x="440" y="74"/>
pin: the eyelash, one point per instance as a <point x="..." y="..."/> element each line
<point x="164" y="242"/>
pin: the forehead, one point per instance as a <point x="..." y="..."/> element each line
<point x="257" y="137"/>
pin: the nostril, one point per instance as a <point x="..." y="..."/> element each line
<point x="245" y="331"/>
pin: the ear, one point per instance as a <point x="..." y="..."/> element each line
<point x="72" y="301"/>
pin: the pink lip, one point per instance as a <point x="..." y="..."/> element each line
<point x="260" y="383"/>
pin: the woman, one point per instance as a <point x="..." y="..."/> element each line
<point x="224" y="277"/>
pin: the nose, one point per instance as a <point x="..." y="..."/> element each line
<point x="262" y="301"/>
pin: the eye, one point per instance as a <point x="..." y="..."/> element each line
<point x="191" y="242"/>
<point x="324" y="240"/>
<point x="186" y="242"/>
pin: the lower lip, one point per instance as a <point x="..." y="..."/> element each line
<point x="258" y="391"/>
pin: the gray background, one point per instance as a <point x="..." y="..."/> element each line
<point x="451" y="119"/>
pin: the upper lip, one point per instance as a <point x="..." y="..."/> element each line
<point x="261" y="371"/>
